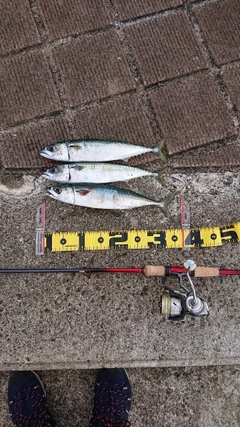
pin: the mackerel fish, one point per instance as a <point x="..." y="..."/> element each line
<point x="95" y="150"/>
<point x="99" y="173"/>
<point x="98" y="196"/>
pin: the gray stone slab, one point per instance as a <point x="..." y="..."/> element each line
<point x="96" y="72"/>
<point x="197" y="396"/>
<point x="19" y="148"/>
<point x="165" y="48"/>
<point x="192" y="113"/>
<point x="74" y="17"/>
<point x="27" y="88"/>
<point x="231" y="78"/>
<point x="128" y="10"/>
<point x="18" y="29"/>
<point x="75" y="321"/>
<point x="223" y="156"/>
<point x="219" y="23"/>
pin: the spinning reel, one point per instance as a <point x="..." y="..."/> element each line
<point x="176" y="305"/>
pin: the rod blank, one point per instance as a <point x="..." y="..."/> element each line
<point x="148" y="270"/>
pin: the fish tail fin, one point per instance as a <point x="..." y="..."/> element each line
<point x="158" y="150"/>
<point x="163" y="204"/>
<point x="158" y="175"/>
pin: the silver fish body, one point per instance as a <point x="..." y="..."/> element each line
<point x="105" y="197"/>
<point x="96" y="150"/>
<point x="98" y="173"/>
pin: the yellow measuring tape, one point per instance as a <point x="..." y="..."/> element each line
<point x="141" y="239"/>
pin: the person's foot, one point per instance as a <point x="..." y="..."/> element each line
<point x="27" y="401"/>
<point x="112" y="400"/>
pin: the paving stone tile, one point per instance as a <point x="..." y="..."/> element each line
<point x="18" y="28"/>
<point x="93" y="68"/>
<point x="127" y="9"/>
<point x="226" y="156"/>
<point x="219" y="22"/>
<point x="231" y="78"/>
<point x="165" y="47"/>
<point x="20" y="148"/>
<point x="191" y="113"/>
<point x="62" y="19"/>
<point x="123" y="119"/>
<point x="26" y="88"/>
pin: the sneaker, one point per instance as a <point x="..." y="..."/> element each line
<point x="27" y="401"/>
<point x="112" y="400"/>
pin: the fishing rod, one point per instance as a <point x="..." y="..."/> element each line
<point x="148" y="270"/>
<point x="174" y="305"/>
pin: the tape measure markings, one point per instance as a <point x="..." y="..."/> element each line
<point x="141" y="239"/>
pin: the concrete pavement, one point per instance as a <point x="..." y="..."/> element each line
<point x="138" y="72"/>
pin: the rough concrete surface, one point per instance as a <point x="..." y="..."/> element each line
<point x="195" y="397"/>
<point x="105" y="319"/>
<point x="140" y="72"/>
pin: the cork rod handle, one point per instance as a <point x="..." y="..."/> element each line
<point x="206" y="272"/>
<point x="154" y="270"/>
<point x="160" y="270"/>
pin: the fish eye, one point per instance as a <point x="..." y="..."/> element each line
<point x="52" y="170"/>
<point x="51" y="148"/>
<point x="58" y="190"/>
